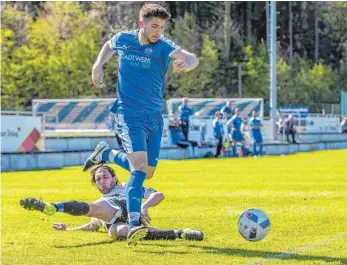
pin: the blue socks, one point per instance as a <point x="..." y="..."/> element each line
<point x="105" y="155"/>
<point x="254" y="149"/>
<point x="117" y="157"/>
<point x="59" y="206"/>
<point x="260" y="153"/>
<point x="134" y="194"/>
<point x="234" y="151"/>
<point x="244" y="153"/>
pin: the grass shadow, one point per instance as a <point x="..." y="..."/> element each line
<point x="250" y="253"/>
<point x="88" y="244"/>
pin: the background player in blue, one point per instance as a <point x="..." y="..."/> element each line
<point x="257" y="138"/>
<point x="185" y="112"/>
<point x="218" y="132"/>
<point x="144" y="58"/>
<point x="236" y="135"/>
<point x="227" y="110"/>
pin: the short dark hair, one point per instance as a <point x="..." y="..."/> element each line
<point x="102" y="165"/>
<point x="148" y="11"/>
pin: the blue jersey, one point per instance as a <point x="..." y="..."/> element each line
<point x="141" y="74"/>
<point x="236" y="122"/>
<point x="226" y="109"/>
<point x="256" y="132"/>
<point x="255" y="122"/>
<point x="218" y="130"/>
<point x="185" y="112"/>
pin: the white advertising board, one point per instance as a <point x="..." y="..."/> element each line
<point x="20" y="133"/>
<point x="322" y="124"/>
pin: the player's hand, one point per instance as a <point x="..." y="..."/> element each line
<point x="145" y="220"/>
<point x="98" y="76"/>
<point x="178" y="65"/>
<point x="145" y="215"/>
<point x="144" y="211"/>
<point x="60" y="226"/>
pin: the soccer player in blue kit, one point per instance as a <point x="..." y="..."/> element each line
<point x="144" y="58"/>
<point x="257" y="138"/>
<point x="236" y="135"/>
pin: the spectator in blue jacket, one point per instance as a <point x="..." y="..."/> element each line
<point x="185" y="112"/>
<point x="218" y="132"/>
<point x="179" y="139"/>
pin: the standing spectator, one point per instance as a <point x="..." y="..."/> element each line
<point x="257" y="137"/>
<point x="218" y="132"/>
<point x="281" y="124"/>
<point x="178" y="138"/>
<point x="185" y="112"/>
<point x="290" y="129"/>
<point x="227" y="110"/>
<point x="236" y="135"/>
<point x="344" y="125"/>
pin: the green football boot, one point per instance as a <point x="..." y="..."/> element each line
<point x="33" y="204"/>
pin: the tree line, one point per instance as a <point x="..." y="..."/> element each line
<point x="48" y="49"/>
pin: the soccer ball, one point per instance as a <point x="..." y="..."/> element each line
<point x="254" y="225"/>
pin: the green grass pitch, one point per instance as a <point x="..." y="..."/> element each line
<point x="303" y="194"/>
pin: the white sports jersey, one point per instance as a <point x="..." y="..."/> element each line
<point x="118" y="192"/>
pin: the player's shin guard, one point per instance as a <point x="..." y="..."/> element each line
<point x="160" y="234"/>
<point x="254" y="149"/>
<point x="234" y="151"/>
<point x="244" y="153"/>
<point x="72" y="207"/>
<point x="117" y="157"/>
<point x="134" y="195"/>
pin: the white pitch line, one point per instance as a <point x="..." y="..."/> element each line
<point x="295" y="251"/>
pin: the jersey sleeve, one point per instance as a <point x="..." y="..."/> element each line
<point x="214" y="123"/>
<point x="147" y="192"/>
<point x="114" y="42"/>
<point x="230" y="123"/>
<point x="251" y="123"/>
<point x="179" y="111"/>
<point x="169" y="47"/>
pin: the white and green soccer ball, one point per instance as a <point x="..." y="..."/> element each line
<point x="254" y="225"/>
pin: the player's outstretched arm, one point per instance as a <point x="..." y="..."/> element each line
<point x="184" y="61"/>
<point x="154" y="199"/>
<point x="97" y="73"/>
<point x="90" y="227"/>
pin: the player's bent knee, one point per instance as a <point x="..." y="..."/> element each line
<point x="113" y="234"/>
<point x="122" y="230"/>
<point x="118" y="231"/>
<point x="141" y="166"/>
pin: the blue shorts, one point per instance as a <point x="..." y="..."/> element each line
<point x="237" y="136"/>
<point x="141" y="134"/>
<point x="257" y="138"/>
